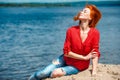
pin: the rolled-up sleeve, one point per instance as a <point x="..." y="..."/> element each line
<point x="96" y="41"/>
<point x="67" y="43"/>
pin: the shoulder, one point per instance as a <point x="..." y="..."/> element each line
<point x="95" y="30"/>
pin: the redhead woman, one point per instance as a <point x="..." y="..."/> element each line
<point x="81" y="45"/>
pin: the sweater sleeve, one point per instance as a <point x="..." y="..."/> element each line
<point x="96" y="40"/>
<point x="67" y="43"/>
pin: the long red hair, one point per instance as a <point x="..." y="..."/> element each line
<point x="95" y="15"/>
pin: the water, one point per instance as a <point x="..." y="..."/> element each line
<point x="31" y="37"/>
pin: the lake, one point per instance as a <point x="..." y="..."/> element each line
<point x="30" y="37"/>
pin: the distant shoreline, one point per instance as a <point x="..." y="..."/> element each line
<point x="64" y="4"/>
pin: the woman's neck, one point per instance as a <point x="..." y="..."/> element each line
<point x="84" y="26"/>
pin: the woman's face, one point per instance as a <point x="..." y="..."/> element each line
<point x="84" y="14"/>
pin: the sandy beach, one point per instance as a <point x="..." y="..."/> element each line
<point x="105" y="72"/>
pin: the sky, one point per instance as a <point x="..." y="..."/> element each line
<point x="47" y="1"/>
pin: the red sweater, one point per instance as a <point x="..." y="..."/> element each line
<point x="74" y="43"/>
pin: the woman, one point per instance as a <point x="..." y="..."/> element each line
<point x="81" y="45"/>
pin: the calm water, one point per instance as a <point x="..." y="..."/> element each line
<point x="31" y="37"/>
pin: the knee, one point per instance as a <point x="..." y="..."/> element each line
<point x="57" y="73"/>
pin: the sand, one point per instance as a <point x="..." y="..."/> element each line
<point x="105" y="72"/>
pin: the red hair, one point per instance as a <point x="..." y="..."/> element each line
<point x="95" y="15"/>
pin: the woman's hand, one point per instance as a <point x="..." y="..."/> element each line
<point x="92" y="55"/>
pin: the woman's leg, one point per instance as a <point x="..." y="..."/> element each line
<point x="43" y="73"/>
<point x="46" y="72"/>
<point x="67" y="70"/>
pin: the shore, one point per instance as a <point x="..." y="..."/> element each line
<point x="105" y="72"/>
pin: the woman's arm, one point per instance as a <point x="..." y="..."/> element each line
<point x="94" y="66"/>
<point x="92" y="54"/>
<point x="75" y="56"/>
<point x="96" y="48"/>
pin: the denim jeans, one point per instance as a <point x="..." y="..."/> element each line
<point x="46" y="72"/>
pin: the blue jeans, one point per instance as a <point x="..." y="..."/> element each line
<point x="46" y="72"/>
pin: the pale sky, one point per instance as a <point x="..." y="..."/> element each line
<point x="49" y="1"/>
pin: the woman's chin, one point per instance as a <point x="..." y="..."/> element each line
<point x="81" y="19"/>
